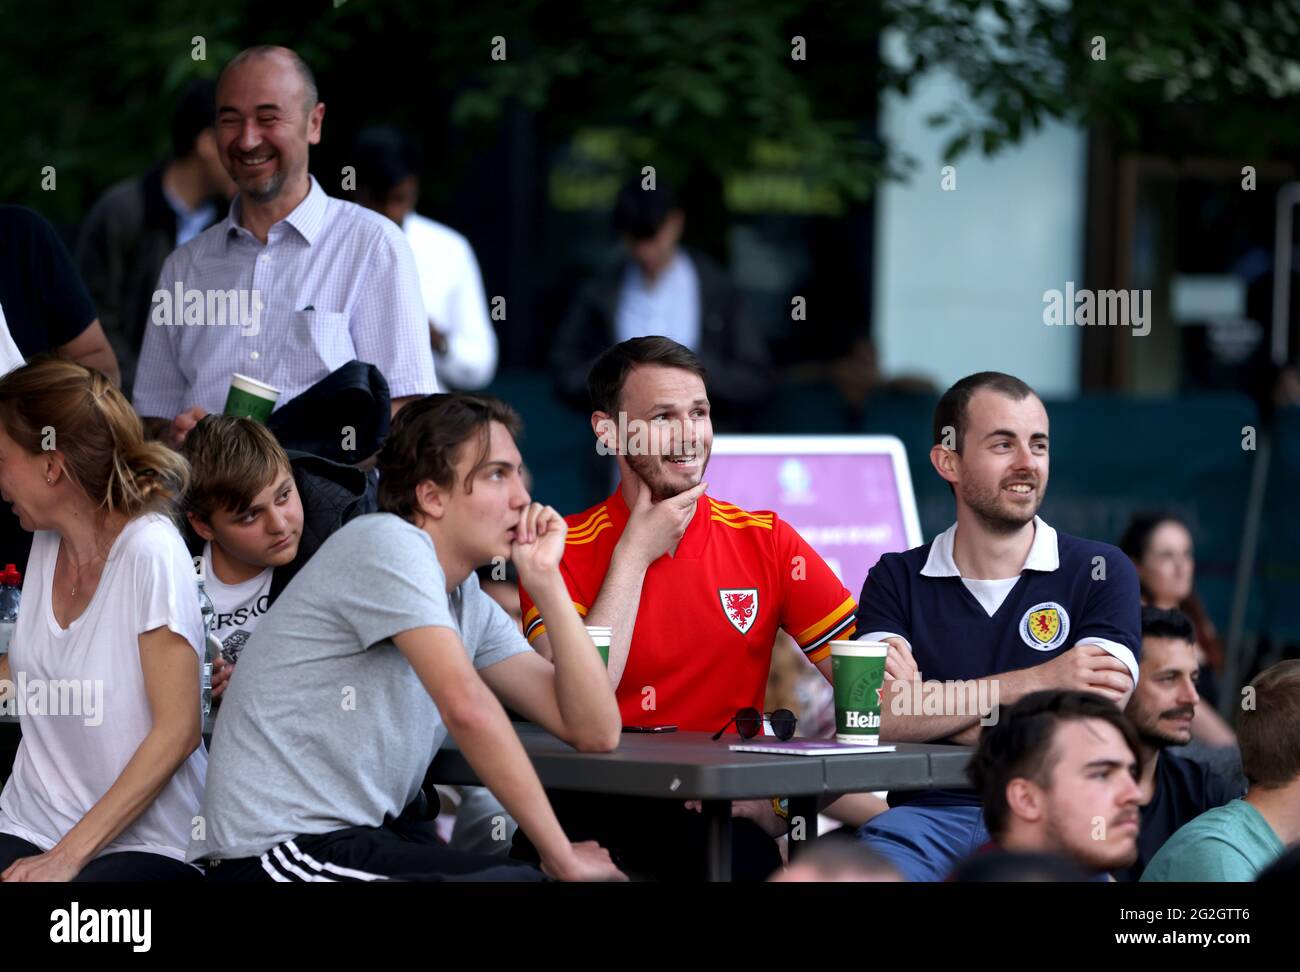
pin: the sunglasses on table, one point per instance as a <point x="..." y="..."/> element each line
<point x="749" y="723"/>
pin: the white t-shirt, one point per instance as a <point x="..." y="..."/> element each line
<point x="670" y="306"/>
<point x="66" y="762"/>
<point x="991" y="593"/>
<point x="238" y="606"/>
<point x="452" y="289"/>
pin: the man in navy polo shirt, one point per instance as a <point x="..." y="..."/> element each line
<point x="997" y="606"/>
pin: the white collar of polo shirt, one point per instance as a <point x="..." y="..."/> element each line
<point x="1043" y="554"/>
<point x="307" y="217"/>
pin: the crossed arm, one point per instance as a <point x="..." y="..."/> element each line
<point x="1085" y="667"/>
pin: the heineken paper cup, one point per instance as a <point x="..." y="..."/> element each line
<point x="858" y="671"/>
<point x="251" y="398"/>
<point x="600" y="636"/>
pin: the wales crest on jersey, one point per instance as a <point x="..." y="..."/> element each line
<point x="740" y="605"/>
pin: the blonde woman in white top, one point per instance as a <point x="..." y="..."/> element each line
<point x="106" y="654"/>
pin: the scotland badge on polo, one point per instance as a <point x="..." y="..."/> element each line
<point x="1045" y="626"/>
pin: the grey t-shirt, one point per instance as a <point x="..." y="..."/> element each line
<point x="324" y="724"/>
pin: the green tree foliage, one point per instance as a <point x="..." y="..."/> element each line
<point x="88" y="87"/>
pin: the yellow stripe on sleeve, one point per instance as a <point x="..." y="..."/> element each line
<point x="847" y="606"/>
<point x="596" y="531"/>
<point x="580" y="527"/>
<point x="741" y="524"/>
<point x="821" y="647"/>
<point x="821" y="654"/>
<point x="737" y="514"/>
<point x="536" y="627"/>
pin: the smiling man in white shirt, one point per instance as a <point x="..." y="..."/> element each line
<point x="316" y="281"/>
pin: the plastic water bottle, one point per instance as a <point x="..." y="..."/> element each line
<point x="10" y="589"/>
<point x="209" y="615"/>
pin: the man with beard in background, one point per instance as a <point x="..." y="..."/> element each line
<point x="1174" y="790"/>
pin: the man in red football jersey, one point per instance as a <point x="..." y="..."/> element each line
<point x="693" y="588"/>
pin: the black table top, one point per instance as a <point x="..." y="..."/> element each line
<point x="690" y="766"/>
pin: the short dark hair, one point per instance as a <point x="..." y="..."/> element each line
<point x="951" y="410"/>
<point x="1159" y="623"/>
<point x="1019" y="745"/>
<point x="607" y="376"/>
<point x="383" y="156"/>
<point x="196" y="111"/>
<point x="1268" y="732"/>
<point x="232" y="459"/>
<point x="424" y="441"/>
<point x="641" y="213"/>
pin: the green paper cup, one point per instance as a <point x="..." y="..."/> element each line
<point x="251" y="398"/>
<point x="600" y="636"/>
<point x="858" y="671"/>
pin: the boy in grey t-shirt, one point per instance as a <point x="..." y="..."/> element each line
<point x="381" y="646"/>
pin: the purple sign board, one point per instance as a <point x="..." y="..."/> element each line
<point x="850" y="497"/>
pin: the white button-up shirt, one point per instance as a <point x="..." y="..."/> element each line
<point x="670" y="306"/>
<point x="454" y="301"/>
<point x="334" y="282"/>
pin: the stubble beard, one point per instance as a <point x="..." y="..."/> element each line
<point x="995" y="517"/>
<point x="272" y="186"/>
<point x="1084" y="853"/>
<point x="648" y="469"/>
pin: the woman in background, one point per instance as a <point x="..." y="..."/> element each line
<point x="1160" y="546"/>
<point x="109" y="775"/>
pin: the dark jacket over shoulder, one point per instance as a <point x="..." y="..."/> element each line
<point x="331" y="493"/>
<point x="344" y="417"/>
<point x="734" y="350"/>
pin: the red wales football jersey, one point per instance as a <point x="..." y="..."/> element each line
<point x="708" y="616"/>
